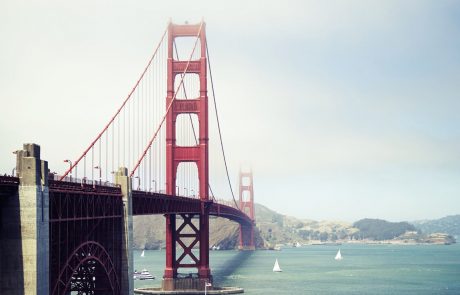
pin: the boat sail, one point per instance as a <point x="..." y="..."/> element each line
<point x="143" y="253"/>
<point x="338" y="256"/>
<point x="276" y="267"/>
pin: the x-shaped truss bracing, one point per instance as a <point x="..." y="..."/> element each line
<point x="184" y="232"/>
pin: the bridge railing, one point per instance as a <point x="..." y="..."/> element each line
<point x="82" y="181"/>
<point x="9" y="180"/>
<point x="226" y="203"/>
<point x="89" y="182"/>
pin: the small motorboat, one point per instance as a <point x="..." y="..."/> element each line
<point x="143" y="275"/>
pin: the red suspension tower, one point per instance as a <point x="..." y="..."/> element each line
<point x="186" y="235"/>
<point x="247" y="206"/>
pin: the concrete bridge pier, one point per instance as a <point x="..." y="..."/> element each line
<point x="127" y="261"/>
<point x="25" y="228"/>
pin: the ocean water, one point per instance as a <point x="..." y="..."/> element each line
<point x="365" y="269"/>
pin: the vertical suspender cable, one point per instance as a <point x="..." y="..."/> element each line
<point x="168" y="107"/>
<point x="75" y="163"/>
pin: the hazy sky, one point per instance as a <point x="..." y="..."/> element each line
<point x="343" y="109"/>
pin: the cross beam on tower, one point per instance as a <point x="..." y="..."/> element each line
<point x="197" y="154"/>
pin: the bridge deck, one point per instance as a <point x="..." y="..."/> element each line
<point x="144" y="203"/>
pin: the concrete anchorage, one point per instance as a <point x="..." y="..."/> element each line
<point x="25" y="237"/>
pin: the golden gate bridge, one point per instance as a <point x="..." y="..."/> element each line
<point x="73" y="232"/>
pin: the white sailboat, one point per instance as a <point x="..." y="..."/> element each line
<point x="143" y="253"/>
<point x="276" y="267"/>
<point x="338" y="256"/>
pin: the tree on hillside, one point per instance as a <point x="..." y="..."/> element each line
<point x="378" y="229"/>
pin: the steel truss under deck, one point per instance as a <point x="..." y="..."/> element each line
<point x="85" y="238"/>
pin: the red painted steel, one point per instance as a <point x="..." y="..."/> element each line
<point x="98" y="137"/>
<point x="247" y="207"/>
<point x="188" y="66"/>
<point x="88" y="270"/>
<point x="147" y="203"/>
<point x="197" y="154"/>
<point x="85" y="238"/>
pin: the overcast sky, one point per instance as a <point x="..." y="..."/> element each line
<point x="343" y="109"/>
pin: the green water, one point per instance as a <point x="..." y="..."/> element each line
<point x="365" y="269"/>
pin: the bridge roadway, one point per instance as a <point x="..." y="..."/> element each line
<point x="147" y="203"/>
<point x="144" y="203"/>
<point x="8" y="185"/>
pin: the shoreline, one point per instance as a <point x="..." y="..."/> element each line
<point x="361" y="242"/>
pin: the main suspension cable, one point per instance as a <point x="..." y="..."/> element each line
<point x="75" y="163"/>
<point x="169" y="106"/>
<point x="218" y="127"/>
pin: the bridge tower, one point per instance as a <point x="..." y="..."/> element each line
<point x="247" y="206"/>
<point x="187" y="235"/>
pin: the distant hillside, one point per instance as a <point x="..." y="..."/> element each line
<point x="377" y="229"/>
<point x="448" y="224"/>
<point x="272" y="228"/>
<point x="149" y="233"/>
<point x="275" y="229"/>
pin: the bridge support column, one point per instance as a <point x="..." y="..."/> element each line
<point x="247" y="206"/>
<point x="178" y="231"/>
<point x="127" y="262"/>
<point x="25" y="267"/>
